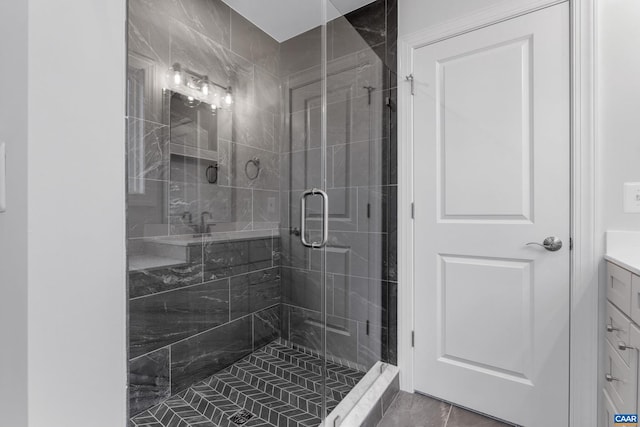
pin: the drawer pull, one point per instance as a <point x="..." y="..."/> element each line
<point x="623" y="346"/>
<point x="611" y="328"/>
<point x="611" y="378"/>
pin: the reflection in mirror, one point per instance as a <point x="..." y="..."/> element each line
<point x="192" y="122"/>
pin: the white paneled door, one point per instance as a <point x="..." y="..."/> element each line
<point x="492" y="168"/>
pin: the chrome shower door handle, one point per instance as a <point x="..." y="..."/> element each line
<point x="325" y="217"/>
<point x="551" y="243"/>
<point x="303" y="218"/>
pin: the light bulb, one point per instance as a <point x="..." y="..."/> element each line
<point x="190" y="98"/>
<point x="205" y="89"/>
<point x="177" y="77"/>
<point x="227" y="99"/>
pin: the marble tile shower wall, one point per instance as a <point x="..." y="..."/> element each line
<point x="200" y="301"/>
<point x="362" y="185"/>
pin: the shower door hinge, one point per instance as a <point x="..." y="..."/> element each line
<point x="409" y="78"/>
<point x="570" y="243"/>
<point x="413" y="339"/>
<point x="413" y="210"/>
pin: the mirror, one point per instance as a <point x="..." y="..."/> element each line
<point x="192" y="123"/>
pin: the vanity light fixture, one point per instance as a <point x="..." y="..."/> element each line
<point x="198" y="87"/>
<point x="227" y="98"/>
<point x="177" y="74"/>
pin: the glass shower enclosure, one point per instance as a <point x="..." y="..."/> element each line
<point x="261" y="207"/>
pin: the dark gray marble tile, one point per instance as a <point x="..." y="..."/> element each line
<point x="269" y="174"/>
<point x="352" y="254"/>
<point x="301" y="52"/>
<point x="268" y="93"/>
<point x="369" y="22"/>
<point x="148" y="58"/>
<point x="147" y="205"/>
<point x="202" y="55"/>
<point x="305" y="169"/>
<point x="359" y="164"/>
<point x="254" y="44"/>
<point x="343" y="38"/>
<point x="390" y="133"/>
<point x="276" y="250"/>
<point x="344" y="210"/>
<point x="266" y="208"/>
<point x="266" y="326"/>
<point x="409" y="409"/>
<point x="302" y="288"/>
<point x="212" y="18"/>
<point x="373" y="206"/>
<point x="177" y="274"/>
<point x="253" y="126"/>
<point x="162" y="319"/>
<point x="462" y="418"/>
<point x="293" y="253"/>
<point x="390" y="323"/>
<point x="260" y="253"/>
<point x="221" y="208"/>
<point x="147" y="29"/>
<point x="390" y="268"/>
<point x="224" y="259"/>
<point x="370" y="72"/>
<point x="305" y="129"/>
<point x="392" y="34"/>
<point x="254" y="291"/>
<point x="148" y="381"/>
<point x="189" y="170"/>
<point x="306" y="329"/>
<point x="197" y="358"/>
<point x="356" y="297"/>
<point x="224" y="161"/>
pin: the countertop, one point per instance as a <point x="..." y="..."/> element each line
<point x="623" y="249"/>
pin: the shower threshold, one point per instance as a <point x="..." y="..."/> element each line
<point x="278" y="385"/>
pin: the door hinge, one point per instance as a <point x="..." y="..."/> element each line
<point x="367" y="327"/>
<point x="570" y="243"/>
<point x="413" y="210"/>
<point x="413" y="339"/>
<point x="410" y="79"/>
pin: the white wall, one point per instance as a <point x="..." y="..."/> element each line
<point x="13" y="223"/>
<point x="76" y="215"/>
<point x="618" y="107"/>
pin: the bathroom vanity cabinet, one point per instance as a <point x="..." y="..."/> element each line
<point x="622" y="343"/>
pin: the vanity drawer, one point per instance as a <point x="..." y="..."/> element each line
<point x="618" y="331"/>
<point x="619" y="287"/>
<point x="635" y="298"/>
<point x="609" y="410"/>
<point x="621" y="380"/>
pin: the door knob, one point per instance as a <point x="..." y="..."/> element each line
<point x="610" y="378"/>
<point x="551" y="243"/>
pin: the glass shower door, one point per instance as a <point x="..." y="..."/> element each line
<point x="259" y="201"/>
<point x="338" y="299"/>
<point x="360" y="287"/>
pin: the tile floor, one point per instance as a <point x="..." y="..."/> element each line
<point x="279" y="385"/>
<point x="415" y="410"/>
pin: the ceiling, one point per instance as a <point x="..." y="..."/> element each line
<point x="283" y="19"/>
